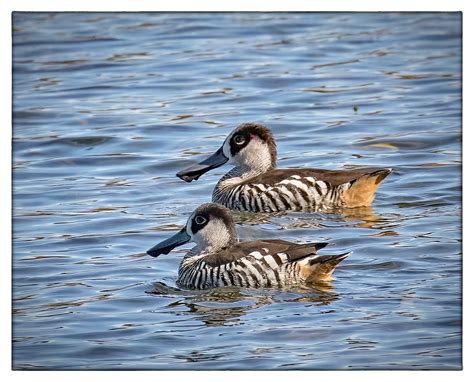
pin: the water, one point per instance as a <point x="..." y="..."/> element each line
<point x="108" y="107"/>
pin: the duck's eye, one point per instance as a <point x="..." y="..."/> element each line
<point x="200" y="220"/>
<point x="239" y="139"/>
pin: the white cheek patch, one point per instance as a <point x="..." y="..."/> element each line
<point x="214" y="234"/>
<point x="255" y="155"/>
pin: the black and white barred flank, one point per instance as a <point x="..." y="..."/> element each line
<point x="294" y="193"/>
<point x="254" y="270"/>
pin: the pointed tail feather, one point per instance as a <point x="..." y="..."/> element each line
<point x="329" y="259"/>
<point x="320" y="268"/>
<point x="380" y="174"/>
<point x="319" y="246"/>
<point x="297" y="252"/>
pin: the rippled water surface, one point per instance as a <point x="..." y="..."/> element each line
<point x="108" y="107"/>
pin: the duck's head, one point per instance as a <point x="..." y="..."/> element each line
<point x="250" y="145"/>
<point x="210" y="226"/>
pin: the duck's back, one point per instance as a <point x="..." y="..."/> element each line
<point x="264" y="263"/>
<point x="302" y="189"/>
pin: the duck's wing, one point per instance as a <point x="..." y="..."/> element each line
<point x="333" y="177"/>
<point x="313" y="267"/>
<point x="293" y="251"/>
<point x="359" y="187"/>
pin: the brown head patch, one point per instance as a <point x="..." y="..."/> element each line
<point x="210" y="211"/>
<point x="242" y="135"/>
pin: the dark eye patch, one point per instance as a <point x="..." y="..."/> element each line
<point x="249" y="129"/>
<point x="200" y="220"/>
<point x="198" y="224"/>
<point x="239" y="141"/>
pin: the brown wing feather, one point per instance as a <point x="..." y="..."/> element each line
<point x="293" y="250"/>
<point x="334" y="177"/>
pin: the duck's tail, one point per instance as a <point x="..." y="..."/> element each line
<point x="361" y="191"/>
<point x="320" y="267"/>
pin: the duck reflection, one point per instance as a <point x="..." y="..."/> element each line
<point x="223" y="308"/>
<point x="251" y="218"/>
<point x="365" y="217"/>
<point x="362" y="217"/>
<point x="227" y="306"/>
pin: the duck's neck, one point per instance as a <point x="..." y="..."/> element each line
<point x="199" y="252"/>
<point x="217" y="246"/>
<point x="240" y="174"/>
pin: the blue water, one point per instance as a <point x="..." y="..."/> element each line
<point x="109" y="106"/>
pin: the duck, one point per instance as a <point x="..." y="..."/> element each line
<point x="220" y="260"/>
<point x="255" y="184"/>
